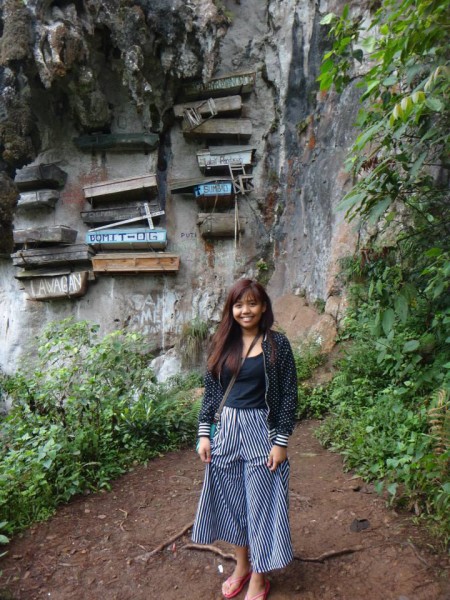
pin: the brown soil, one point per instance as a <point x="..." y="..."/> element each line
<point x="97" y="547"/>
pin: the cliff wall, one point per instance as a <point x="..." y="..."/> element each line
<point x="78" y="68"/>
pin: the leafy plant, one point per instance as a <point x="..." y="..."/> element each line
<point x="85" y="411"/>
<point x="385" y="417"/>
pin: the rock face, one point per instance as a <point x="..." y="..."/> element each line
<point x="117" y="67"/>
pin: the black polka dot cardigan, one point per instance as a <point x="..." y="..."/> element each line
<point x="281" y="392"/>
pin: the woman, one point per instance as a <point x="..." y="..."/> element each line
<point x="244" y="500"/>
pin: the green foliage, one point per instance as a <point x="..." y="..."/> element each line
<point x="313" y="400"/>
<point x="192" y="342"/>
<point x="308" y="356"/>
<point x="398" y="283"/>
<point x="3" y="538"/>
<point x="82" y="414"/>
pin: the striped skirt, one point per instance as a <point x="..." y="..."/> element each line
<point x="242" y="501"/>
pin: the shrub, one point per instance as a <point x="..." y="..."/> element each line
<point x="85" y="411"/>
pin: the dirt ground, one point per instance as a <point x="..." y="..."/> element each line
<point x="98" y="546"/>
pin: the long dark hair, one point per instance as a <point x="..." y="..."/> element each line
<point x="226" y="345"/>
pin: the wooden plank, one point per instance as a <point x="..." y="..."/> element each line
<point x="217" y="159"/>
<point x="220" y="129"/>
<point x="38" y="199"/>
<point x="106" y="190"/>
<point x="214" y="188"/>
<point x="52" y="255"/>
<point x="117" y="141"/>
<point x="231" y="105"/>
<point x="186" y="186"/>
<point x="219" y="225"/>
<point x="38" y="177"/>
<point x="121" y="213"/>
<point x="132" y="262"/>
<point x="44" y="272"/>
<point x="59" y="234"/>
<point x="231" y="83"/>
<point x="131" y="238"/>
<point x="70" y="285"/>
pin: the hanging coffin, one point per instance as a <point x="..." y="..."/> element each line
<point x="52" y="255"/>
<point x="232" y="83"/>
<point x="230" y="105"/>
<point x="215" y="194"/>
<point x="54" y="287"/>
<point x="220" y="129"/>
<point x="38" y="199"/>
<point x="128" y="188"/>
<point x="135" y="262"/>
<point x="39" y="177"/>
<point x="127" y="239"/>
<point x="217" y="159"/>
<point x="59" y="234"/>
<point x="219" y="225"/>
<point x="121" y="213"/>
<point x="118" y="141"/>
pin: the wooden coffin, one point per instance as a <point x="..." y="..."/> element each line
<point x="38" y="199"/>
<point x="59" y="234"/>
<point x="231" y="105"/>
<point x="127" y="239"/>
<point x="220" y="129"/>
<point x="216" y="159"/>
<point x="39" y="177"/>
<point x="216" y="194"/>
<point x="214" y="188"/>
<point x="52" y="255"/>
<point x="135" y="262"/>
<point x="231" y="83"/>
<point x="52" y="287"/>
<point x="117" y="141"/>
<point x="121" y="213"/>
<point x="118" y="188"/>
<point x="186" y="186"/>
<point x="219" y="225"/>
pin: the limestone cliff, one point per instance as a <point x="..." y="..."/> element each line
<point x="69" y="69"/>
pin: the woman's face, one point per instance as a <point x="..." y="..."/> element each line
<point x="247" y="312"/>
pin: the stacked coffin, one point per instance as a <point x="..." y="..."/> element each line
<point x="212" y="111"/>
<point x="52" y="265"/>
<point x="120" y="242"/>
<point x="39" y="186"/>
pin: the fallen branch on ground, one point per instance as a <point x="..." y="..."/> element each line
<point x="331" y="554"/>
<point x="224" y="555"/>
<point x="321" y="558"/>
<point x="209" y="548"/>
<point x="169" y="541"/>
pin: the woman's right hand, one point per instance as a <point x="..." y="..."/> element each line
<point x="204" y="449"/>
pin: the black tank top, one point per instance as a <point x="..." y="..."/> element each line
<point x="249" y="388"/>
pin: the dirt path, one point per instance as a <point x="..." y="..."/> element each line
<point x="96" y="548"/>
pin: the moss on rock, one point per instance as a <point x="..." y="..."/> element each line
<point x="16" y="39"/>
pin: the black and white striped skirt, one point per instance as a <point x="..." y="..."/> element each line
<point x="242" y="501"/>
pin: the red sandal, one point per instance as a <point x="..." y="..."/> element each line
<point x="241" y="580"/>
<point x="263" y="595"/>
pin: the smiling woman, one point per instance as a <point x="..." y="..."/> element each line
<point x="251" y="394"/>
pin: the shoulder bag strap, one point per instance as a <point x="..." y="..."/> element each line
<point x="233" y="379"/>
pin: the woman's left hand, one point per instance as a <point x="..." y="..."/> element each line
<point x="277" y="455"/>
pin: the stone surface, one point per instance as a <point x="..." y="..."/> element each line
<point x="166" y="365"/>
<point x="294" y="317"/>
<point x="324" y="333"/>
<point x="118" y="66"/>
